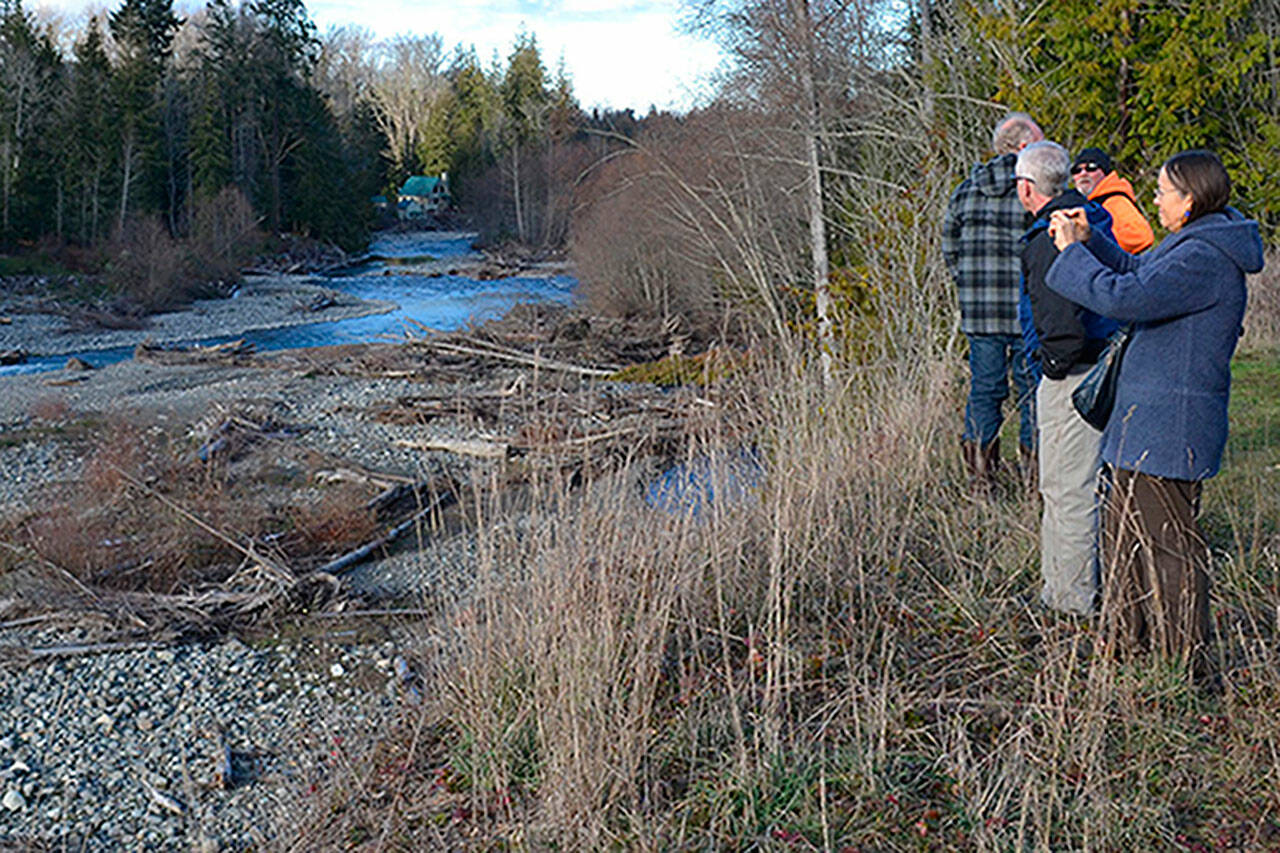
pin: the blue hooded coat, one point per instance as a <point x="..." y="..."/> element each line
<point x="1186" y="300"/>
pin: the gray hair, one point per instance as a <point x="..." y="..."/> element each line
<point x="1046" y="163"/>
<point x="1013" y="131"/>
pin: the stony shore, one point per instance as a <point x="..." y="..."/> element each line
<point x="96" y="747"/>
<point x="117" y="748"/>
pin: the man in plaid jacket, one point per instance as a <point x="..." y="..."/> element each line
<point x="980" y="234"/>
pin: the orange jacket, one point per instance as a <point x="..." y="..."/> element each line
<point x="1128" y="224"/>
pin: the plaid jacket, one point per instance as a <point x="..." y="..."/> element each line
<point x="980" y="245"/>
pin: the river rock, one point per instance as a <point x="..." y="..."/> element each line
<point x="77" y="365"/>
<point x="14" y="801"/>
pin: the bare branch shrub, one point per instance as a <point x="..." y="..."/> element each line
<point x="699" y="222"/>
<point x="224" y="236"/>
<point x="146" y="265"/>
<point x="1262" y="317"/>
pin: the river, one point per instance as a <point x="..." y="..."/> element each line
<point x="399" y="268"/>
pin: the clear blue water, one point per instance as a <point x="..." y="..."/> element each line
<point x="727" y="478"/>
<point x="444" y="302"/>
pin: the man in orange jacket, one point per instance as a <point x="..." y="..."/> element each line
<point x="1095" y="180"/>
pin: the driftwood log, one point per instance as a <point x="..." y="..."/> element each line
<point x="232" y="352"/>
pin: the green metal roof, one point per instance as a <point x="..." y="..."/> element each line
<point x="419" y="185"/>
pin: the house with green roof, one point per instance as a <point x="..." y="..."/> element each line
<point x="422" y="195"/>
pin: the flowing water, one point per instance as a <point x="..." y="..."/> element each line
<point x="398" y="268"/>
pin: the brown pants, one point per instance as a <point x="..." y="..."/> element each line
<point x="1156" y="594"/>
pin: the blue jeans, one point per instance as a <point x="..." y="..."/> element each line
<point x="990" y="360"/>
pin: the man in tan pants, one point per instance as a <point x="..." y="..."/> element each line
<point x="1065" y="340"/>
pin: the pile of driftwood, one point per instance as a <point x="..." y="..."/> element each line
<point x="266" y="582"/>
<point x="299" y="255"/>
<point x="237" y="352"/>
<point x="531" y="391"/>
<point x="551" y="425"/>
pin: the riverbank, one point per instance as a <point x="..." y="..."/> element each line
<point x="262" y="302"/>
<point x="140" y="648"/>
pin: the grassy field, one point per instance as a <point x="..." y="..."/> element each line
<point x="851" y="659"/>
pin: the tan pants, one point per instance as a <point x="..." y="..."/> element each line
<point x="1157" y="589"/>
<point x="1069" y="464"/>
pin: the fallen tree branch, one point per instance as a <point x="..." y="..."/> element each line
<point x="461" y="446"/>
<point x="231" y="351"/>
<point x="516" y="357"/>
<point x="348" y="560"/>
<point x="339" y="614"/>
<point x="90" y="649"/>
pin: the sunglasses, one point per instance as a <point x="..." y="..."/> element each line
<point x="1085" y="167"/>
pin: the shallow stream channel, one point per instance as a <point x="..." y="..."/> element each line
<point x="407" y="269"/>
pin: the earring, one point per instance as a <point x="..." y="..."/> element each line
<point x="1186" y="214"/>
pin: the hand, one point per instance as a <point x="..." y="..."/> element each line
<point x="1068" y="226"/>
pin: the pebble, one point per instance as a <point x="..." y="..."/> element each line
<point x="128" y="742"/>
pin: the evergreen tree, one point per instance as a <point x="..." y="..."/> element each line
<point x="473" y="120"/>
<point x="88" y="134"/>
<point x="324" y="198"/>
<point x="143" y="31"/>
<point x="284" y="54"/>
<point x="32" y="73"/>
<point x="524" y="112"/>
<point x="1143" y="80"/>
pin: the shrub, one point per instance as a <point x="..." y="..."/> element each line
<point x="224" y="237"/>
<point x="1262" y="320"/>
<point x="147" y="266"/>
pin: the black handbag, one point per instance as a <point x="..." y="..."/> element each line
<point x="1095" y="396"/>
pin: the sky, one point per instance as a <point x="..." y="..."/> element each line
<point x="619" y="53"/>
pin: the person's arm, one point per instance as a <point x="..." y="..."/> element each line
<point x="1178" y="282"/>
<point x="1111" y="255"/>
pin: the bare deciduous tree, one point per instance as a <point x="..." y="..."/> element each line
<point x="408" y="86"/>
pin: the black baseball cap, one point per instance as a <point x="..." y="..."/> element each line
<point x="1096" y="156"/>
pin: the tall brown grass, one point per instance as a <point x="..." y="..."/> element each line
<point x="852" y="658"/>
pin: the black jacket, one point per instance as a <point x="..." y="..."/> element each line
<point x="1067" y="332"/>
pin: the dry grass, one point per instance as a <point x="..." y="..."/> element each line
<point x="850" y="659"/>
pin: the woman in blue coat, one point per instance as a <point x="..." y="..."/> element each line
<point x="1185" y="299"/>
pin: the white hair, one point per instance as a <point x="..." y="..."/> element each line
<point x="1046" y="163"/>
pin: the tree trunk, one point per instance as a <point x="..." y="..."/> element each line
<point x="126" y="155"/>
<point x="6" y="187"/>
<point x="515" y="190"/>
<point x="813" y="189"/>
<point x="95" y="202"/>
